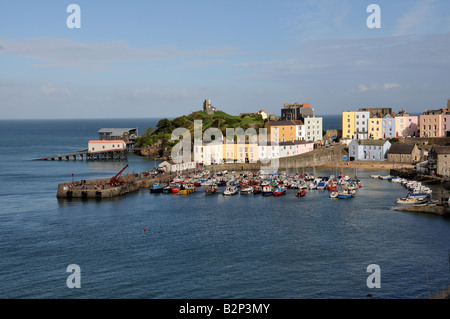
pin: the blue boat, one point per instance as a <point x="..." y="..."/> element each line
<point x="321" y="185"/>
<point x="346" y="194"/>
<point x="156" y="188"/>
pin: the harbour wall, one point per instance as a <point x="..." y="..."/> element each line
<point x="412" y="174"/>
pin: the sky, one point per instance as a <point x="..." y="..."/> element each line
<point x="131" y="59"/>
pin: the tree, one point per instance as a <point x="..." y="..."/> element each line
<point x="148" y="131"/>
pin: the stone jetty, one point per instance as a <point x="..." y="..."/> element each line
<point x="106" y="188"/>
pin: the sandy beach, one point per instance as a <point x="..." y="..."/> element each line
<point x="374" y="165"/>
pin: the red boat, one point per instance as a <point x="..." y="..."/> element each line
<point x="257" y="189"/>
<point x="279" y="191"/>
<point x="301" y="193"/>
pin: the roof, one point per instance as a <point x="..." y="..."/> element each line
<point x="268" y="143"/>
<point x="281" y="123"/>
<point x="301" y="142"/>
<point x="106" y="141"/>
<point x="441" y="149"/>
<point x="116" y="131"/>
<point x="400" y="148"/>
<point x="371" y="142"/>
<point x="297" y="122"/>
<point x="286" y="143"/>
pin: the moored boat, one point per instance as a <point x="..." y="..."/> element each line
<point x="246" y="190"/>
<point x="186" y="189"/>
<point x="345" y="194"/>
<point x="411" y="201"/>
<point x="230" y="190"/>
<point x="213" y="189"/>
<point x="334" y="194"/>
<point x="156" y="188"/>
<point x="279" y="191"/>
<point x="257" y="189"/>
<point x="267" y="190"/>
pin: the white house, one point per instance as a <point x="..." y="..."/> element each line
<point x="263" y="113"/>
<point x="287" y="149"/>
<point x="209" y="152"/>
<point x="362" y="124"/>
<point x="268" y="151"/>
<point x="96" y="146"/>
<point x="172" y="167"/>
<point x="368" y="150"/>
<point x="313" y="128"/>
<point x="300" y="133"/>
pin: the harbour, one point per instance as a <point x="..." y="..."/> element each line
<point x="202" y="245"/>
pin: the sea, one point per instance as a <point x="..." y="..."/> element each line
<point x="163" y="246"/>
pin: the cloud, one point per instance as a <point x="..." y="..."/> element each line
<point x="362" y="88"/>
<point x="63" y="53"/>
<point x="49" y="89"/>
<point x="388" y="86"/>
<point x="146" y="93"/>
<point x="377" y="87"/>
<point x="417" y="20"/>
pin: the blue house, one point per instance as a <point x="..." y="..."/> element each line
<point x="368" y="150"/>
<point x="388" y="126"/>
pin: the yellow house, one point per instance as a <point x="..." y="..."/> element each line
<point x="282" y="131"/>
<point x="348" y="124"/>
<point x="375" y="128"/>
<point x="240" y="152"/>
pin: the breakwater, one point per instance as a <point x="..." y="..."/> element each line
<point x="412" y="174"/>
<point x="106" y="188"/>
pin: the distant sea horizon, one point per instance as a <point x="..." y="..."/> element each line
<point x="330" y="121"/>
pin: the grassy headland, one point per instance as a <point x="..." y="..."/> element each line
<point x="157" y="142"/>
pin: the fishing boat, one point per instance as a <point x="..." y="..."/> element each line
<point x="230" y="190"/>
<point x="246" y="190"/>
<point x="167" y="189"/>
<point x="176" y="189"/>
<point x="222" y="182"/>
<point x="156" y="188"/>
<point x="279" y="191"/>
<point x="267" y="190"/>
<point x="186" y="189"/>
<point x="411" y="201"/>
<point x="257" y="189"/>
<point x="301" y="193"/>
<point x="345" y="194"/>
<point x="213" y="189"/>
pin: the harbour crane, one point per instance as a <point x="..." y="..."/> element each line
<point x="116" y="179"/>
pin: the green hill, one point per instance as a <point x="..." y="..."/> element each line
<point x="159" y="137"/>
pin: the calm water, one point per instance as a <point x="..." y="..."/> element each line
<point x="199" y="246"/>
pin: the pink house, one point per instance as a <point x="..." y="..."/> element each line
<point x="445" y="125"/>
<point x="406" y="124"/>
<point x="302" y="146"/>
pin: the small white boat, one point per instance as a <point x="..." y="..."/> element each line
<point x="247" y="190"/>
<point x="334" y="194"/>
<point x="231" y="190"/>
<point x="411" y="201"/>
